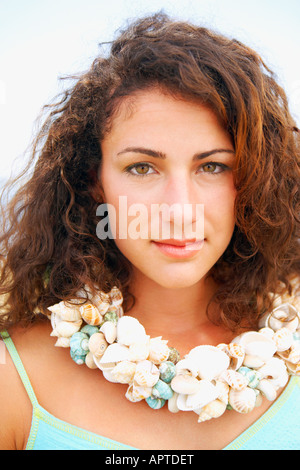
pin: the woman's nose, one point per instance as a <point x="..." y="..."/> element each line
<point x="180" y="210"/>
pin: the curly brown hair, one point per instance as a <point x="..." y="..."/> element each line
<point x="49" y="247"/>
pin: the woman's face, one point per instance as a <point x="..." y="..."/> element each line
<point x="174" y="155"/>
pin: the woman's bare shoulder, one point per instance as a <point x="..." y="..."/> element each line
<point x="15" y="405"/>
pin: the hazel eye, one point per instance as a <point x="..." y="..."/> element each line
<point x="140" y="169"/>
<point x="213" y="168"/>
<point x="209" y="167"/>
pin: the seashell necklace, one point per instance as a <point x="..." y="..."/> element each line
<point x="208" y="380"/>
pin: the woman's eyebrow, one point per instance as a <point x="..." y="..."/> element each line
<point x="157" y="154"/>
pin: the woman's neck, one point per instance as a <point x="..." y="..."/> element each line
<point x="178" y="315"/>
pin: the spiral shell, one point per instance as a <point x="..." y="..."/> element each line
<point x="162" y="390"/>
<point x="66" y="312"/>
<point x="174" y="355"/>
<point x="79" y="343"/>
<point x="283" y="316"/>
<point x="214" y="409"/>
<point x="116" y="297"/>
<point x="236" y="353"/>
<point x="275" y="371"/>
<point x="98" y="344"/>
<point x="167" y="371"/>
<point x="91" y="314"/>
<point x="64" y="328"/>
<point x="101" y="302"/>
<point x="267" y="389"/>
<point x="242" y="401"/>
<point x="155" y="403"/>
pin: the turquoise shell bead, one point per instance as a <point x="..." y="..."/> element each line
<point x="167" y="371"/>
<point x="78" y="358"/>
<point x="89" y="330"/>
<point x="162" y="390"/>
<point x="79" y="344"/>
<point x="253" y="376"/>
<point x="155" y="403"/>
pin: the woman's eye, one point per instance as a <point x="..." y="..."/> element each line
<point x="140" y="169"/>
<point x="212" y="167"/>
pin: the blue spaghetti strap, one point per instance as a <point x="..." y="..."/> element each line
<point x="19" y="366"/>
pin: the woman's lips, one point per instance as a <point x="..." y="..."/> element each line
<point x="179" y="248"/>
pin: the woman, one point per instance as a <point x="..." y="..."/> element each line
<point x="177" y="115"/>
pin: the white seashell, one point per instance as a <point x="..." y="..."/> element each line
<point x="109" y="329"/>
<point x="137" y="393"/>
<point x="206" y="393"/>
<point x="129" y="331"/>
<point x="185" y="366"/>
<point x="214" y="409"/>
<point x="283" y="316"/>
<point x="283" y="339"/>
<point x="97" y="344"/>
<point x="210" y="360"/>
<point x="62" y="342"/>
<point x="116" y="297"/>
<point x="258" y="348"/>
<point x="242" y="401"/>
<point x="267" y="389"/>
<point x="185" y="384"/>
<point x="291" y="355"/>
<point x="108" y="375"/>
<point x="268" y="332"/>
<point x="172" y="403"/>
<point x="91" y="314"/>
<point x="89" y="360"/>
<point x="234" y="379"/>
<point x="65" y="328"/>
<point x="158" y="350"/>
<point x="103" y="366"/>
<point x="236" y="353"/>
<point x="223" y="390"/>
<point x="259" y="400"/>
<point x="102" y="302"/>
<point x="146" y="374"/>
<point x="66" y="311"/>
<point x="115" y="353"/>
<point x="181" y="402"/>
<point x="124" y="372"/>
<point x="293" y="368"/>
<point x="139" y="351"/>
<point x="275" y="371"/>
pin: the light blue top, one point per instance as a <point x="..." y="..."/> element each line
<point x="277" y="429"/>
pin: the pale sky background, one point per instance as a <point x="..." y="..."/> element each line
<point x="42" y="40"/>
